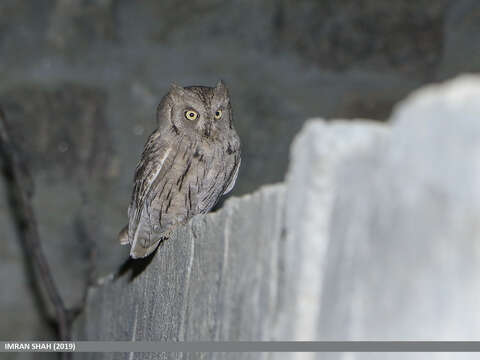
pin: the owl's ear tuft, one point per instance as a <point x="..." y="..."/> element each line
<point x="176" y="89"/>
<point x="164" y="110"/>
<point x="221" y="88"/>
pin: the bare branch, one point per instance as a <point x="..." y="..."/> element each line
<point x="22" y="185"/>
<point x="89" y="249"/>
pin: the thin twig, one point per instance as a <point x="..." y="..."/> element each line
<point x="23" y="187"/>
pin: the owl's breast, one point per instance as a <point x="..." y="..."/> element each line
<point x="197" y="177"/>
<point x="209" y="179"/>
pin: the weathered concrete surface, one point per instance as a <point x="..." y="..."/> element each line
<point x="402" y="262"/>
<point x="214" y="279"/>
<point x="317" y="152"/>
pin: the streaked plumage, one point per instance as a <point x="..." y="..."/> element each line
<point x="185" y="167"/>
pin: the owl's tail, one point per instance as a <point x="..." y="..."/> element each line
<point x="123" y="236"/>
<point x="140" y="249"/>
<point x="137" y="251"/>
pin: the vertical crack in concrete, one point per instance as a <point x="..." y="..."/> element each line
<point x="224" y="266"/>
<point x="134" y="331"/>
<point x="226" y="234"/>
<point x="186" y="287"/>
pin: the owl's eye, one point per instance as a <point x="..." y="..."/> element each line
<point x="191" y="115"/>
<point x="218" y="114"/>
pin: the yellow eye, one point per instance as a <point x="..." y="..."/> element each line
<point x="191" y="115"/>
<point x="218" y="114"/>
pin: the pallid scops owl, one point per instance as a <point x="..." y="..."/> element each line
<point x="187" y="164"/>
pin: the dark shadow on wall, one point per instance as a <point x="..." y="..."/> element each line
<point x="136" y="266"/>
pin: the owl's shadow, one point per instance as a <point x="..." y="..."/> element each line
<point x="135" y="266"/>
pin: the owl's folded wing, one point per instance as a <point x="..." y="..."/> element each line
<point x="151" y="168"/>
<point x="233" y="177"/>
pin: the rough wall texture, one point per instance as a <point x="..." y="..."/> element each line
<point x="403" y="257"/>
<point x="373" y="236"/>
<point x="317" y="152"/>
<point x="213" y="280"/>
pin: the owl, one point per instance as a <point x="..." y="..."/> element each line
<point x="188" y="163"/>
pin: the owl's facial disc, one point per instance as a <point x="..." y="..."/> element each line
<point x="197" y="110"/>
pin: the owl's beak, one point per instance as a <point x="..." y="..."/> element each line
<point x="207" y="130"/>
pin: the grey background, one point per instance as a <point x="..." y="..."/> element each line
<point x="81" y="80"/>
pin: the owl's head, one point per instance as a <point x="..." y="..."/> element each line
<point x="196" y="110"/>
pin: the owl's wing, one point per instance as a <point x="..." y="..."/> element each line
<point x="233" y="178"/>
<point x="151" y="168"/>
